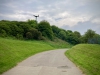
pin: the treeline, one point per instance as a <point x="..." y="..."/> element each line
<point x="43" y="30"/>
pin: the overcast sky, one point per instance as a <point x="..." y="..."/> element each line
<point x="75" y="15"/>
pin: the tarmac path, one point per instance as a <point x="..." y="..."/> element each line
<point x="52" y="62"/>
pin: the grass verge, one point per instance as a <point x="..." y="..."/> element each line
<point x="87" y="57"/>
<point x="14" y="51"/>
<point x="58" y="43"/>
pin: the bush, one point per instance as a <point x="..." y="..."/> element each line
<point x="34" y="34"/>
<point x="29" y="35"/>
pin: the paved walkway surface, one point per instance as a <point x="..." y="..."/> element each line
<point x="52" y="62"/>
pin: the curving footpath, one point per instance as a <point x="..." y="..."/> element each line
<point x="52" y="62"/>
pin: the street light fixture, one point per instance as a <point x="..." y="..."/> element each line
<point x="36" y="17"/>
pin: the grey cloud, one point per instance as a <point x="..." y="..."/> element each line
<point x="83" y="27"/>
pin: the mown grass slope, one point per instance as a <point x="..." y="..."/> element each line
<point x="87" y="57"/>
<point x="14" y="51"/>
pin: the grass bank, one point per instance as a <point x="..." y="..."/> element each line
<point x="87" y="57"/>
<point x="14" y="51"/>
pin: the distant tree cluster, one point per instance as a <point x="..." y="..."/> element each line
<point x="43" y="30"/>
<point x="91" y="37"/>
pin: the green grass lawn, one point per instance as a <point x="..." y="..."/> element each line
<point x="14" y="51"/>
<point x="87" y="57"/>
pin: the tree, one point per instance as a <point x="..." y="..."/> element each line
<point x="24" y="26"/>
<point x="46" y="30"/>
<point x="77" y="37"/>
<point x="62" y="35"/>
<point x="55" y="30"/>
<point x="89" y="35"/>
<point x="95" y="39"/>
<point x="4" y="28"/>
<point x="73" y="37"/>
<point x="32" y="23"/>
<point x="77" y="34"/>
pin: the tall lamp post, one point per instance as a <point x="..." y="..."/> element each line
<point x="36" y="17"/>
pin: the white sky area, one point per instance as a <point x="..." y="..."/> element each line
<point x="75" y="15"/>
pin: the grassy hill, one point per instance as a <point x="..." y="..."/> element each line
<point x="87" y="57"/>
<point x="14" y="51"/>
